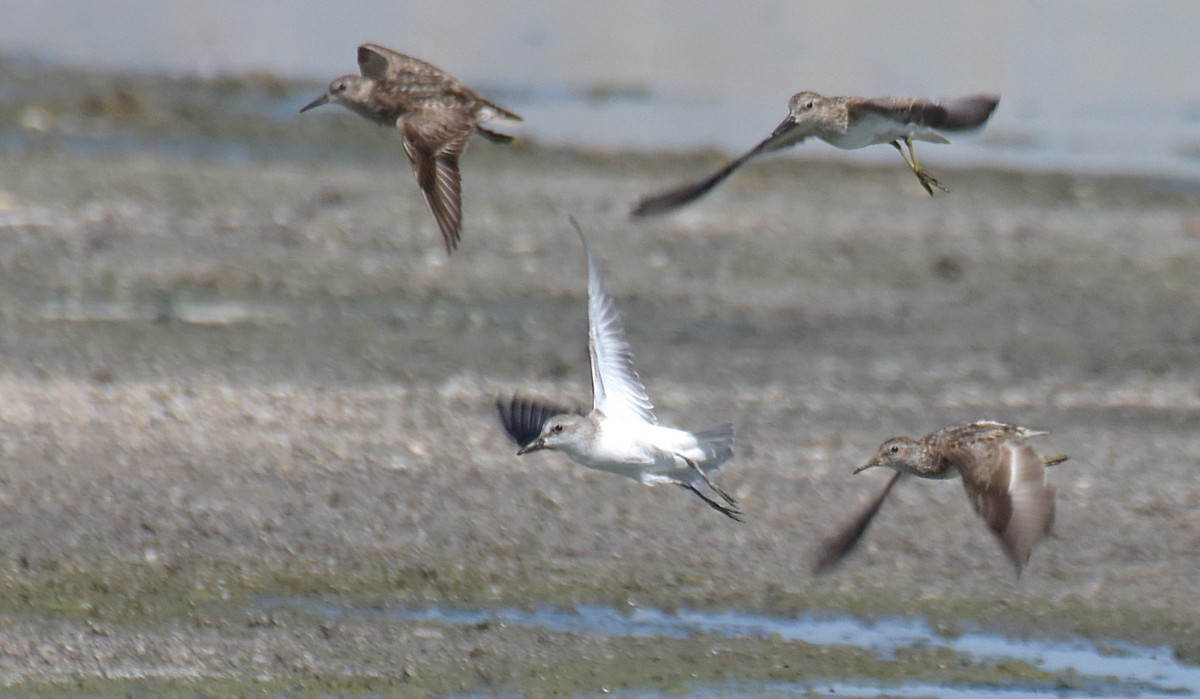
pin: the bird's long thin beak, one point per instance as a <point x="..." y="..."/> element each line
<point x="864" y="467"/>
<point x="532" y="446"/>
<point x="323" y="99"/>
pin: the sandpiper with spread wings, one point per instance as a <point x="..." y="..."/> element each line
<point x="1005" y="479"/>
<point x="847" y="123"/>
<point x="435" y="115"/>
<point x="621" y="433"/>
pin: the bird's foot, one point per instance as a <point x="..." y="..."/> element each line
<point x="928" y="181"/>
<point x="731" y="511"/>
<point x="704" y="476"/>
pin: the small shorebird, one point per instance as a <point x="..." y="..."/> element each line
<point x="435" y="115"/>
<point x="847" y="123"/>
<point x="1004" y="477"/>
<point x="621" y="434"/>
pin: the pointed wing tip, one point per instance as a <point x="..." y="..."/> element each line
<point x="826" y="562"/>
<point x="441" y="187"/>
<point x="650" y="206"/>
<point x="372" y="61"/>
<point x="971" y="112"/>
<point x="451" y="238"/>
<point x="587" y="247"/>
<point x="451" y="232"/>
<point x="667" y="200"/>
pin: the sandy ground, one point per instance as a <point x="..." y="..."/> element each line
<point x="227" y="380"/>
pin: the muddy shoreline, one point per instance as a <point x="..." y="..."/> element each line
<point x="224" y="379"/>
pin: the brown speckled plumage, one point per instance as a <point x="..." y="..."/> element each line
<point x="435" y="115"/>
<point x="1005" y="480"/>
<point x="848" y="123"/>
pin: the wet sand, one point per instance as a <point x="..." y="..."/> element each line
<point x="223" y="380"/>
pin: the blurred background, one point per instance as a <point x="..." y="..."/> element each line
<point x="1087" y="85"/>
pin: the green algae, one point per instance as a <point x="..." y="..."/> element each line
<point x="664" y="664"/>
<point x="140" y="593"/>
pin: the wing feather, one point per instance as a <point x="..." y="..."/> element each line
<point x="617" y="390"/>
<point x="1007" y="487"/>
<point x="949" y="115"/>
<point x="434" y="143"/>
<point x="835" y="549"/>
<point x="524" y="417"/>
<point x="671" y="199"/>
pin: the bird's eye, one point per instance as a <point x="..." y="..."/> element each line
<point x="808" y="104"/>
<point x="558" y="428"/>
<point x="340" y="87"/>
<point x="894" y="449"/>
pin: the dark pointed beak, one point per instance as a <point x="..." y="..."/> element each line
<point x="535" y="445"/>
<point x="864" y="467"/>
<point x="784" y="125"/>
<point x="323" y="99"/>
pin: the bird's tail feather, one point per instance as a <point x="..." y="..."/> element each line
<point x="717" y="444"/>
<point x="494" y="136"/>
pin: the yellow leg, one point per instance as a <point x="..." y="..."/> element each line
<point x="927" y="180"/>
<point x="896" y="145"/>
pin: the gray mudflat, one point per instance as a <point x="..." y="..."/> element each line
<point x="222" y="381"/>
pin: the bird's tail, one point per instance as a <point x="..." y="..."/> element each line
<point x="493" y="111"/>
<point x="717" y="445"/>
<point x="494" y="136"/>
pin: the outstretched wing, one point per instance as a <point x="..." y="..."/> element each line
<point x="434" y="138"/>
<point x="668" y="200"/>
<point x="835" y="549"/>
<point x="617" y="391"/>
<point x="524" y="417"/>
<point x="949" y="115"/>
<point x="1007" y="487"/>
<point x="373" y="61"/>
<point x="381" y="63"/>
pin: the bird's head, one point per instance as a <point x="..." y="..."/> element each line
<point x="801" y="118"/>
<point x="804" y="102"/>
<point x="896" y="453"/>
<point x="569" y="433"/>
<point x="348" y="90"/>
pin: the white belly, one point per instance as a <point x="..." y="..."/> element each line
<point x="642" y="451"/>
<point x="876" y="128"/>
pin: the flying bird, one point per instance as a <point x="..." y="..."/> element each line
<point x="847" y="123"/>
<point x="435" y="115"/>
<point x="1005" y="480"/>
<point x="621" y="433"/>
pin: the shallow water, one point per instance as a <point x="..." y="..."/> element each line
<point x="652" y="76"/>
<point x="1082" y="667"/>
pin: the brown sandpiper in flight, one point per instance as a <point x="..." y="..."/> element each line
<point x="1005" y="480"/>
<point x="435" y="115"/>
<point x="847" y="123"/>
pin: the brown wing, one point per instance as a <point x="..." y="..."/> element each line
<point x="373" y="61"/>
<point x="434" y="138"/>
<point x="380" y="63"/>
<point x="950" y="115"/>
<point x="681" y="195"/>
<point x="1006" y="484"/>
<point x="840" y="546"/>
<point x="417" y="79"/>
